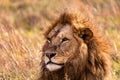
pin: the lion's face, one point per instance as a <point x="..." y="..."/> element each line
<point x="62" y="45"/>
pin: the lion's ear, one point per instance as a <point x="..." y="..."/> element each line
<point x="86" y="34"/>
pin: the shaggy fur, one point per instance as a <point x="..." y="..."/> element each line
<point x="92" y="64"/>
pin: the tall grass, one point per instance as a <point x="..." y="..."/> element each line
<point x="20" y="56"/>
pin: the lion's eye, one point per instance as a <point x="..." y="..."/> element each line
<point x="48" y="40"/>
<point x="65" y="39"/>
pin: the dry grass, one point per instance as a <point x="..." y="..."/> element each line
<point x="19" y="54"/>
<point x="22" y="23"/>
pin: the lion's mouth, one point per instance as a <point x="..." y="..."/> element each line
<point x="51" y="66"/>
<point x="50" y="62"/>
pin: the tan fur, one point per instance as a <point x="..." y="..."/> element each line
<point x="86" y="58"/>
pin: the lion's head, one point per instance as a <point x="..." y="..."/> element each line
<point x="65" y="43"/>
<point x="74" y="47"/>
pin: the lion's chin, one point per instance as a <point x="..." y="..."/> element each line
<point x="53" y="67"/>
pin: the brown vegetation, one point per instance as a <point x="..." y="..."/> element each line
<point x="22" y="23"/>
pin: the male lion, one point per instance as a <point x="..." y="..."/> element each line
<point x="74" y="50"/>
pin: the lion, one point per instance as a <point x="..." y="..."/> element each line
<point x="74" y="50"/>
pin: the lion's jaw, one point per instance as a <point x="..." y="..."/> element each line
<point x="52" y="64"/>
<point x="53" y="67"/>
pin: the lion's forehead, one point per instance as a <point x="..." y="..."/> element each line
<point x="60" y="31"/>
<point x="66" y="30"/>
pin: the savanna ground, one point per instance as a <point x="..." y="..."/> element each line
<point x="22" y="23"/>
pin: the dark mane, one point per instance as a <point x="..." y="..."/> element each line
<point x="98" y="64"/>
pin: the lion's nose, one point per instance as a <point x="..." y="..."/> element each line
<point x="50" y="55"/>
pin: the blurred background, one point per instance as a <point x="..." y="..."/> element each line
<point x="22" y="23"/>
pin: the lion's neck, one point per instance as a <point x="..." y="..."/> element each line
<point x="81" y="75"/>
<point x="74" y="73"/>
<point x="70" y="74"/>
<point x="57" y="75"/>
